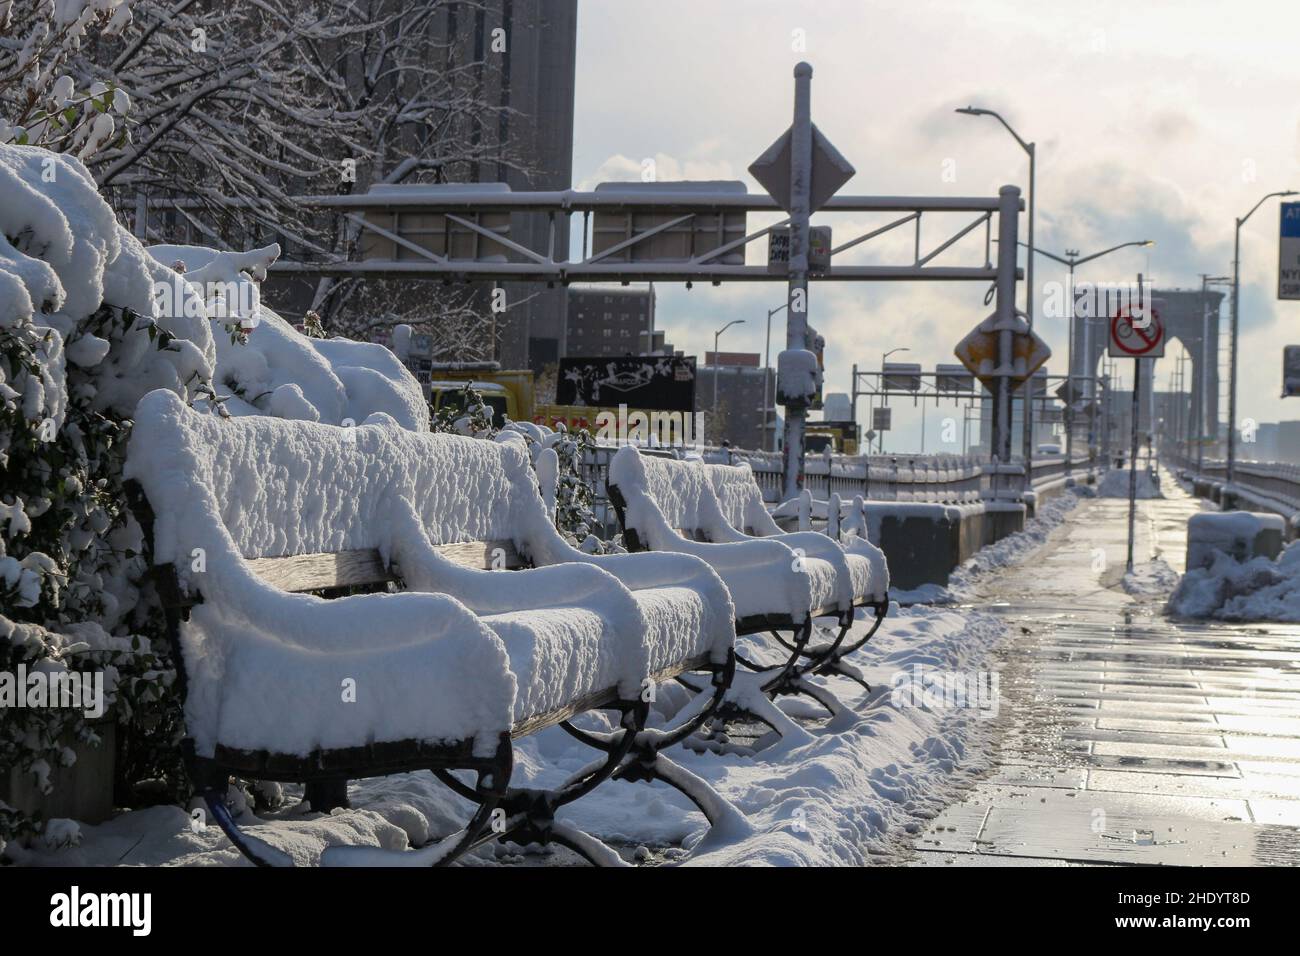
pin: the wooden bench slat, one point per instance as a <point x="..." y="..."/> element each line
<point x="482" y="554"/>
<point x="364" y="566"/>
<point x="314" y="572"/>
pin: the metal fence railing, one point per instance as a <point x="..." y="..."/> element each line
<point x="1271" y="482"/>
<point x="944" y="479"/>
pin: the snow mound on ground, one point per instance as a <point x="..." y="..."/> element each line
<point x="1228" y="590"/>
<point x="1115" y="484"/>
<point x="1016" y="547"/>
<point x="1155" y="578"/>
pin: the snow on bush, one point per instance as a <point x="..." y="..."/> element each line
<point x="81" y="340"/>
<point x="89" y="323"/>
<point x="46" y="108"/>
<point x="264" y="366"/>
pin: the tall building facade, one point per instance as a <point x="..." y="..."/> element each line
<point x="737" y="416"/>
<point x="611" y="321"/>
<point x="536" y="41"/>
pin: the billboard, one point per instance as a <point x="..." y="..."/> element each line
<point x="902" y="376"/>
<point x="649" y="382"/>
<point x="953" y="378"/>
<point x="1288" y="252"/>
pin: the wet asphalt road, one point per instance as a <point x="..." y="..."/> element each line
<point x="1127" y="738"/>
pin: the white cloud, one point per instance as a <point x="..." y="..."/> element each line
<point x="1160" y="121"/>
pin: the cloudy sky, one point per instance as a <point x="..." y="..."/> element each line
<point x="1156" y="119"/>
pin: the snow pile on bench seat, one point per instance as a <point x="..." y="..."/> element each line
<point x="268" y="668"/>
<point x="259" y="487"/>
<point x="741" y="502"/>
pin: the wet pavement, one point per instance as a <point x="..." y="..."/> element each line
<point x="1127" y="738"/>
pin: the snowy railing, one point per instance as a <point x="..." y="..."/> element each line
<point x="941" y="479"/>
<point x="1272" y="483"/>
<point x="951" y="479"/>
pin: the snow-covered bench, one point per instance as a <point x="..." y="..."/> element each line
<point x="256" y="523"/>
<point x="858" y="562"/>
<point x="779" y="584"/>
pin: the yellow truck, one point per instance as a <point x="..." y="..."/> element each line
<point x="840" y="437"/>
<point x="509" y="393"/>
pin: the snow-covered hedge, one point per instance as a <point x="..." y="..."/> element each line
<point x="90" y="321"/>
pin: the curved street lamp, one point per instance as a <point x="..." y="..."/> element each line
<point x="717" y="365"/>
<point x="1031" y="150"/>
<point x="1236" y="293"/>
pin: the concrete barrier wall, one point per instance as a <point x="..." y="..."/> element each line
<point x="924" y="543"/>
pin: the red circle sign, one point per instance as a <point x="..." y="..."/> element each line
<point x="1137" y="340"/>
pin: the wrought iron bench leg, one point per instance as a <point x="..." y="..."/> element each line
<point x="491" y="785"/>
<point x="647" y="762"/>
<point x="529" y="814"/>
<point x="258" y="852"/>
<point x="327" y="795"/>
<point x="832" y="665"/>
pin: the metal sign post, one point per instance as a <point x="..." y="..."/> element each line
<point x="1136" y="332"/>
<point x="801" y="171"/>
<point x="796" y="326"/>
<point x="1132" y="462"/>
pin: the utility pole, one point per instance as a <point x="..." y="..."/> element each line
<point x="1008" y="213"/>
<point x="717" y="371"/>
<point x="796" y="327"/>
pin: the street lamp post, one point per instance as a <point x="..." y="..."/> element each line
<point x="1201" y="423"/>
<point x="1236" y="295"/>
<point x="717" y="365"/>
<point x="883" y="358"/>
<point x="1030" y="150"/>
<point x="767" y="372"/>
<point x="1072" y="259"/>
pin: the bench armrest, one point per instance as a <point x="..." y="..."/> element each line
<point x="423" y="568"/>
<point x="266" y="669"/>
<point x="764" y="577"/>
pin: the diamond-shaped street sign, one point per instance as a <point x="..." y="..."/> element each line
<point x="830" y="170"/>
<point x="978" y="351"/>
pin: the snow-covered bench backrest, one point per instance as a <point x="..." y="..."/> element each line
<point x="289" y="487"/>
<point x="663" y="495"/>
<point x="740" y="499"/>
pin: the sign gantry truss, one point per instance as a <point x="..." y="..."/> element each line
<point x="467" y="213"/>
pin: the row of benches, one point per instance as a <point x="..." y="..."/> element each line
<point x="354" y="602"/>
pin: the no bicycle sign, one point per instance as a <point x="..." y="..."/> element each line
<point x="1140" y="336"/>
